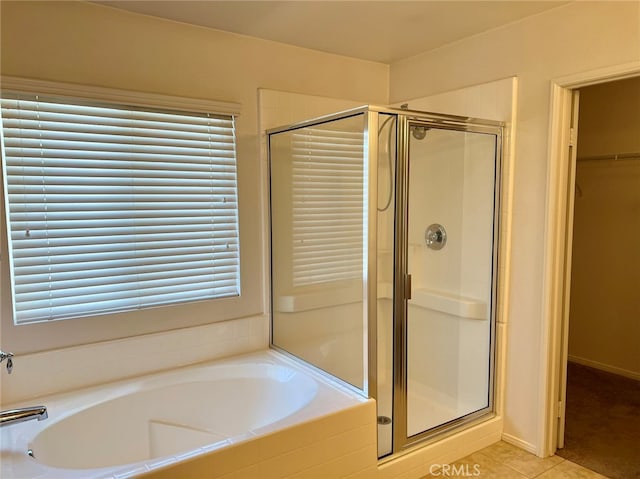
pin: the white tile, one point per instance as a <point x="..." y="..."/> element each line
<point x="341" y="466"/>
<point x="56" y="371"/>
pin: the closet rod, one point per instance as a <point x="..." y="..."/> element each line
<point x="621" y="156"/>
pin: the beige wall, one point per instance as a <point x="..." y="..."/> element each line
<point x="537" y="49"/>
<point x="609" y="121"/>
<point x="604" y="324"/>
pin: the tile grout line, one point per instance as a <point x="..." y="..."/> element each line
<point x="552" y="467"/>
<point x="562" y="460"/>
<point x="529" y="475"/>
<point x="502" y="463"/>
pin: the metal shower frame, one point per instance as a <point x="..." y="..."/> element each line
<point x="405" y="119"/>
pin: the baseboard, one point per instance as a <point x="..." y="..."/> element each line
<point x="519" y="443"/>
<point x="605" y="367"/>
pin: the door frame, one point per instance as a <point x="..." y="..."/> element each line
<point x="558" y="244"/>
<point x="401" y="440"/>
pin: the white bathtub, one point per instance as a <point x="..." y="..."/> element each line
<point x="129" y="428"/>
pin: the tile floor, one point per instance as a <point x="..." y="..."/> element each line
<point x="504" y="461"/>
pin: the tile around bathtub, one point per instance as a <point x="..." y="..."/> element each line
<point x="54" y="372"/>
<point x="329" y="425"/>
<point x="167" y="439"/>
<point x="342" y="465"/>
<point x="250" y="472"/>
<point x="321" y="452"/>
<point x="366" y="473"/>
<point x="130" y="473"/>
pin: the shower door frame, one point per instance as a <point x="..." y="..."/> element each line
<point x="370" y="222"/>
<point x="402" y="280"/>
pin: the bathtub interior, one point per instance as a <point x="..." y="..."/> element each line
<point x="172" y="419"/>
<point x="149" y="422"/>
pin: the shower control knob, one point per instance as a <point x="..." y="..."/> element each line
<point x="435" y="236"/>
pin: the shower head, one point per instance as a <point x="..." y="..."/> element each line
<point x="419" y="132"/>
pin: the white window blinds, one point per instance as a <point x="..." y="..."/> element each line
<point x="328" y="205"/>
<point x="114" y="208"/>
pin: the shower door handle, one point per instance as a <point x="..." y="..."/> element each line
<point x="407" y="286"/>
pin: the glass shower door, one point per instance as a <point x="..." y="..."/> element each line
<point x="319" y="194"/>
<point x="383" y="261"/>
<point x="451" y="204"/>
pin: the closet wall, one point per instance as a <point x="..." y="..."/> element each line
<point x="604" y="326"/>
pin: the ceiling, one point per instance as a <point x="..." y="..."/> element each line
<point x="383" y="31"/>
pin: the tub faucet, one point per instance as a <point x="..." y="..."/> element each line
<point x="9" y="358"/>
<point x="14" y="416"/>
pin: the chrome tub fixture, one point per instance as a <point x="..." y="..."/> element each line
<point x="9" y="358"/>
<point x="14" y="416"/>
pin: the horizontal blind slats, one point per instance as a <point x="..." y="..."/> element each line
<point x="216" y="164"/>
<point x="73" y="174"/>
<point x="114" y="208"/>
<point x="156" y="133"/>
<point x="97" y="188"/>
<point x="136" y="255"/>
<point x="93" y="197"/>
<point x="133" y="265"/>
<point x="113" y="154"/>
<point x="71" y="281"/>
<point x="23" y="104"/>
<point x="34" y="274"/>
<point x="124" y="239"/>
<point x="32" y="314"/>
<point x="327" y="205"/>
<point x="126" y="289"/>
<point x="47" y="144"/>
<point x="111" y="214"/>
<point x="101" y="233"/>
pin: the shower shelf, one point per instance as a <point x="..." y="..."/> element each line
<point x="319" y="298"/>
<point x="460" y="306"/>
<point x="453" y="304"/>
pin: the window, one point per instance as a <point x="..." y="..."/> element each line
<point x="327" y="205"/>
<point x="115" y="208"/>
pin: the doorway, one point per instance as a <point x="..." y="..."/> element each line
<point x="600" y="427"/>
<point x="559" y="227"/>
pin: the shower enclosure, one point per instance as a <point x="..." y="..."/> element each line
<point x="384" y="261"/>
